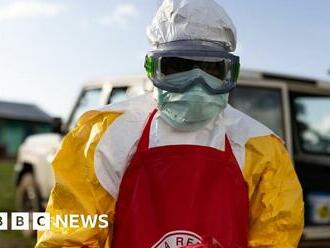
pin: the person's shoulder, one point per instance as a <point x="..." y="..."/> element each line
<point x="129" y="109"/>
<point x="141" y="103"/>
<point x="258" y="140"/>
<point x="135" y="109"/>
<point x="266" y="146"/>
<point x="247" y="125"/>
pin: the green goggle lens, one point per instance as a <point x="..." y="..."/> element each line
<point x="150" y="66"/>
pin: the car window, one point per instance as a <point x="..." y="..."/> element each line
<point x="312" y="117"/>
<point x="262" y="104"/>
<point x="118" y="95"/>
<point x="88" y="100"/>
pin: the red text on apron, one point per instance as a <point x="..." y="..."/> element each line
<point x="174" y="196"/>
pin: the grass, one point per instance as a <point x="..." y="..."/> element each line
<point x="10" y="239"/>
<point x="7" y="187"/>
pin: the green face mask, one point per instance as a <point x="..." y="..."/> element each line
<point x="191" y="110"/>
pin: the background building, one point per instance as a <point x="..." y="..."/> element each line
<point x="17" y="121"/>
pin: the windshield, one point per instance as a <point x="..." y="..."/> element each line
<point x="262" y="104"/>
<point x="118" y="95"/>
<point x="88" y="100"/>
<point x="312" y="115"/>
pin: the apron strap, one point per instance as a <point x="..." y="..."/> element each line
<point x="228" y="149"/>
<point x="144" y="140"/>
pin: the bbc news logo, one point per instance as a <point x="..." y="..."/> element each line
<point x="42" y="221"/>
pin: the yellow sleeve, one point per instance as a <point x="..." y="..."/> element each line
<point x="276" y="201"/>
<point x="77" y="190"/>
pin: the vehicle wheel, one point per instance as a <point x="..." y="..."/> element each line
<point x="28" y="199"/>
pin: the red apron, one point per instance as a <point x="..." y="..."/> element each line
<point x="181" y="195"/>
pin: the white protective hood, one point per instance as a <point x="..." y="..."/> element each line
<point x="192" y="20"/>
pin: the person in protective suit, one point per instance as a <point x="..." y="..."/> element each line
<point x="184" y="168"/>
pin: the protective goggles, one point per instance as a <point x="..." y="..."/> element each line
<point x="221" y="65"/>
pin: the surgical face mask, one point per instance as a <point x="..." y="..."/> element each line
<point x="191" y="110"/>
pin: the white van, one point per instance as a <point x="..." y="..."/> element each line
<point x="296" y="109"/>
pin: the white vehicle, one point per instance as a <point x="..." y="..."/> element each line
<point x="296" y="109"/>
<point x="34" y="177"/>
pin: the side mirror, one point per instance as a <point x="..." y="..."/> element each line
<point x="57" y="125"/>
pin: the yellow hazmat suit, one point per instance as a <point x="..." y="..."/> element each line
<point x="91" y="161"/>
